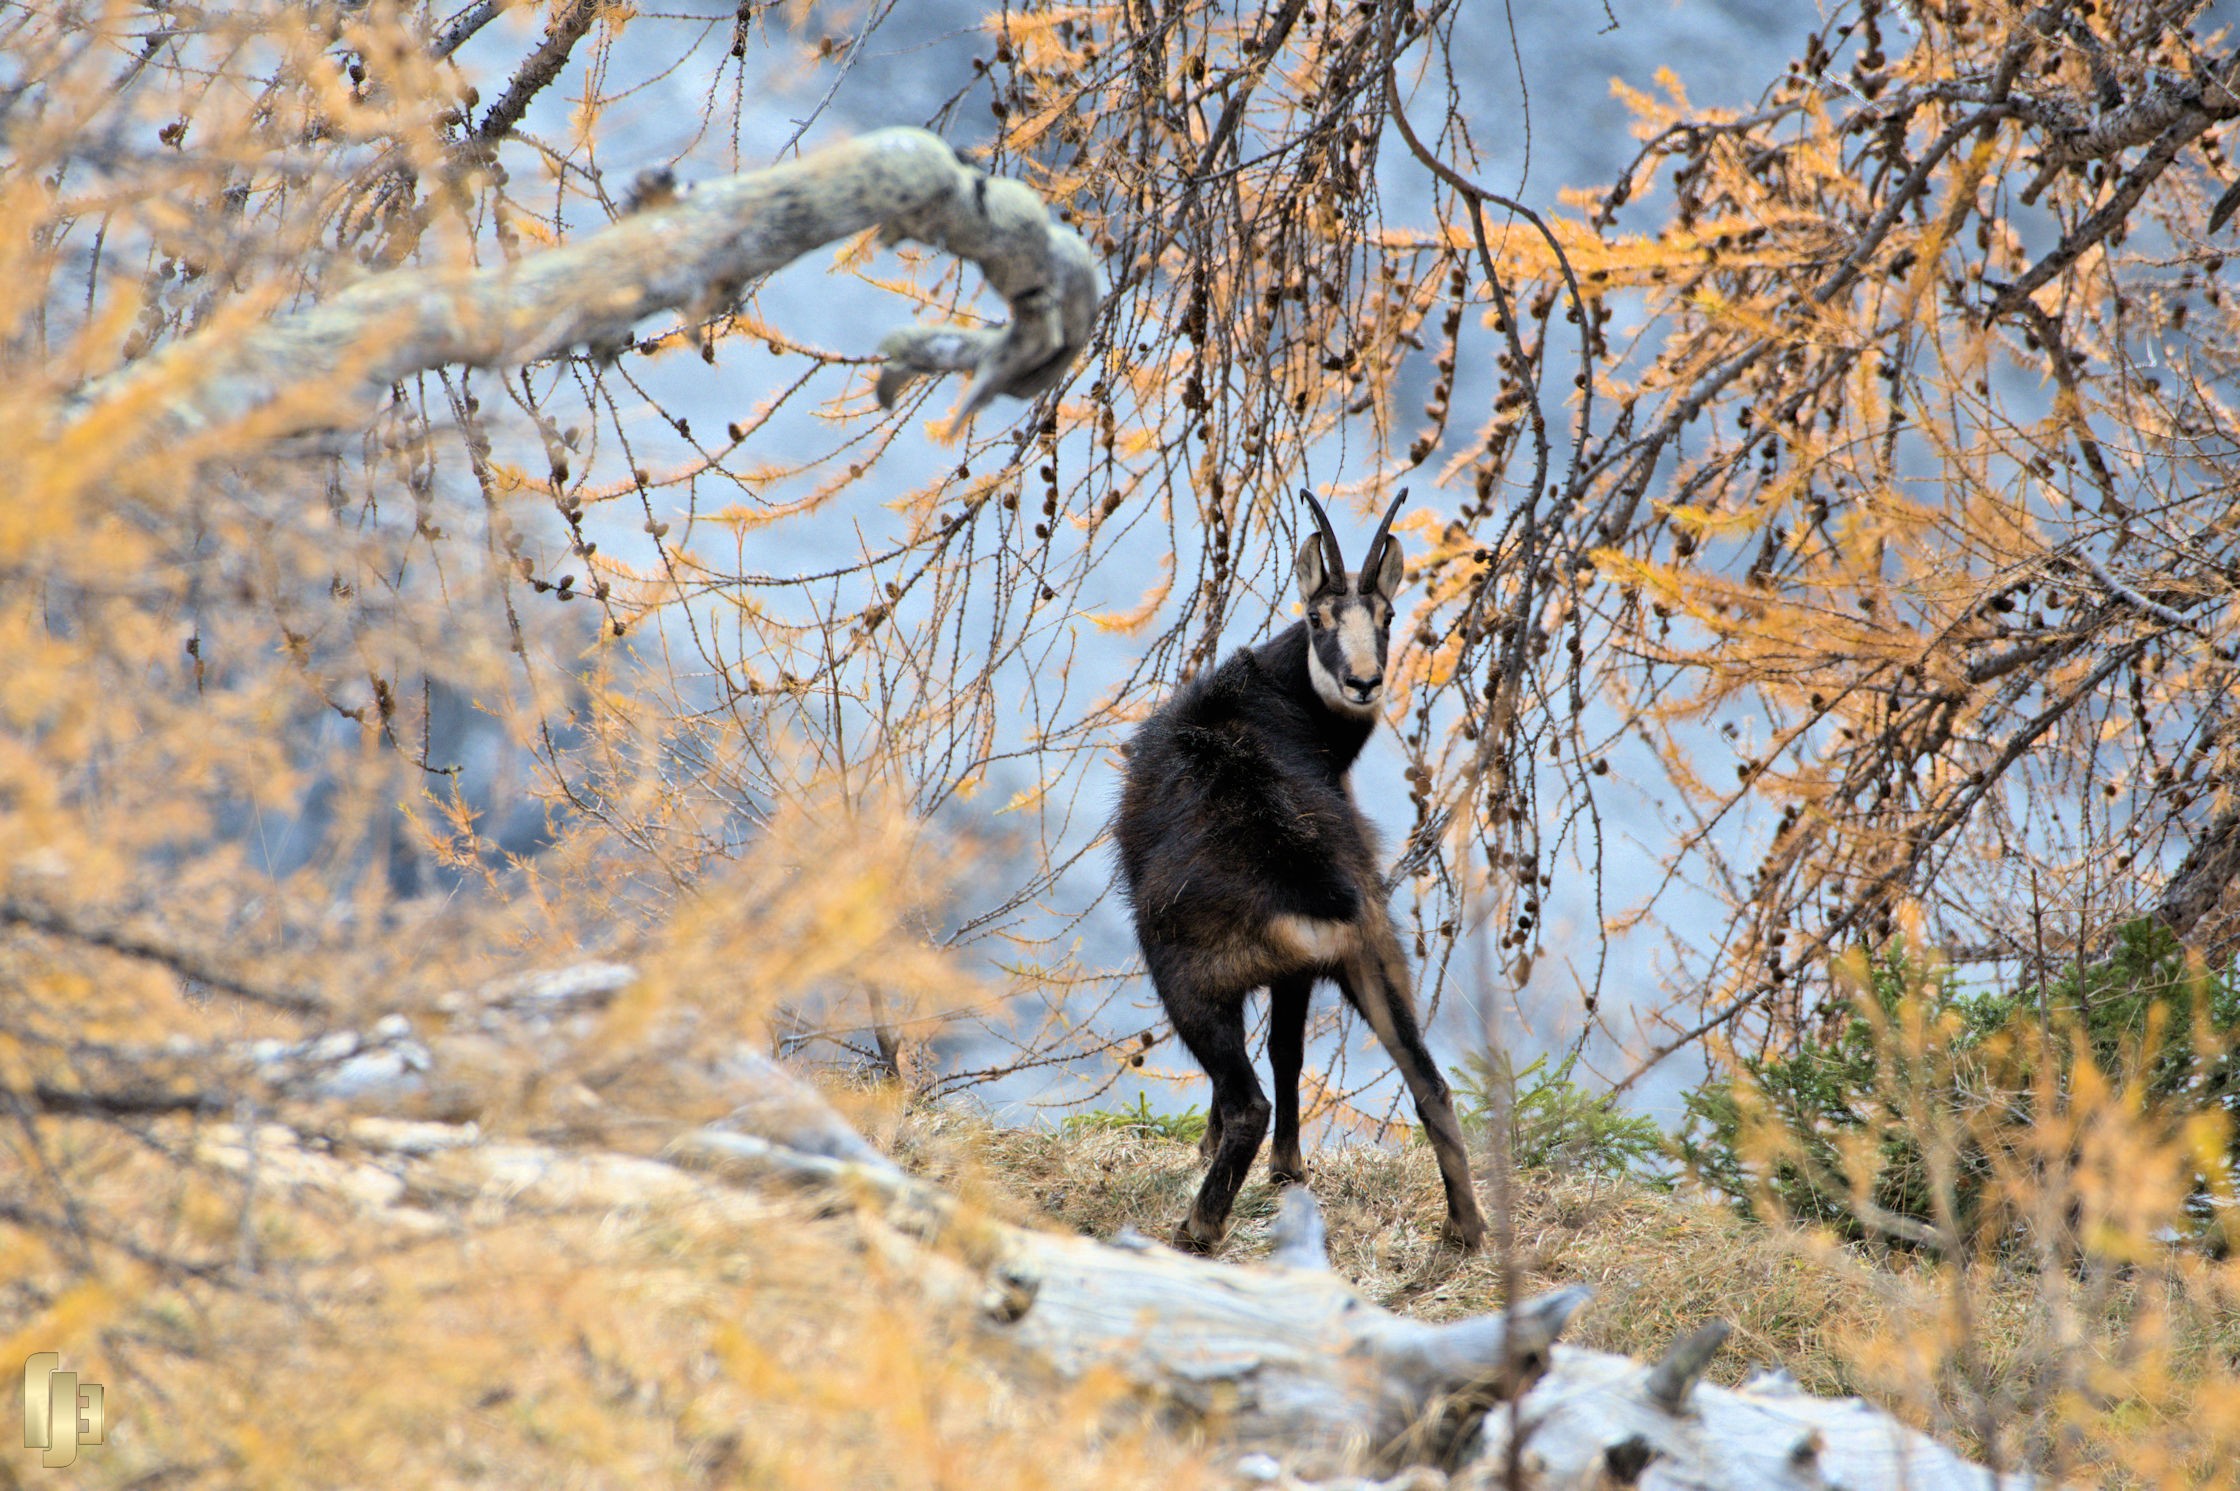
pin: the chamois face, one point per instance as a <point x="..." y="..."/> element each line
<point x="1349" y="625"/>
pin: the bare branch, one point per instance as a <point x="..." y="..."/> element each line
<point x="536" y="73"/>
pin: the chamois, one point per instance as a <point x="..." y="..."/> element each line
<point x="1248" y="866"/>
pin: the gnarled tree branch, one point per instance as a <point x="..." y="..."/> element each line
<point x="324" y="368"/>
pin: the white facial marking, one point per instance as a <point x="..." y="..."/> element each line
<point x="1357" y="653"/>
<point x="1357" y="644"/>
<point x="1326" y="686"/>
<point x="1312" y="938"/>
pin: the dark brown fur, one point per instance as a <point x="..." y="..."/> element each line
<point x="1248" y="866"/>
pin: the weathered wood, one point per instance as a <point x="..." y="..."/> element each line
<point x="329" y="366"/>
<point x="1594" y="1415"/>
<point x="1683" y="1366"/>
<point x="1284" y="1362"/>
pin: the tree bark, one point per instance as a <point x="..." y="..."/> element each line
<point x="2198" y="888"/>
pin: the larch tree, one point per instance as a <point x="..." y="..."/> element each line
<point x="383" y="607"/>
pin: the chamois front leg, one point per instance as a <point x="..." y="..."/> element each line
<point x="1213" y="1028"/>
<point x="1287" y="1038"/>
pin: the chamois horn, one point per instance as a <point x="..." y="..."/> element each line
<point x="1374" y="557"/>
<point x="1334" y="557"/>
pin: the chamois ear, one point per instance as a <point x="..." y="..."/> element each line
<point x="1314" y="575"/>
<point x="1392" y="570"/>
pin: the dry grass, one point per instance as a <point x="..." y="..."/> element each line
<point x="677" y="1337"/>
<point x="1987" y="1356"/>
<point x="1660" y="1264"/>
<point x="756" y="1339"/>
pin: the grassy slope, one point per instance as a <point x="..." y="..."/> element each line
<point x="1660" y="1264"/>
<point x="2123" y="1379"/>
<point x="760" y="1340"/>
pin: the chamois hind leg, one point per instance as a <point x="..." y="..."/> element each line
<point x="1374" y="978"/>
<point x="1209" y="1142"/>
<point x="1287" y="1039"/>
<point x="1212" y="1026"/>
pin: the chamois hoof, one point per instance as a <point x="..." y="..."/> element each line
<point x="1457" y="1237"/>
<point x="1288" y="1175"/>
<point x="1186" y="1241"/>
